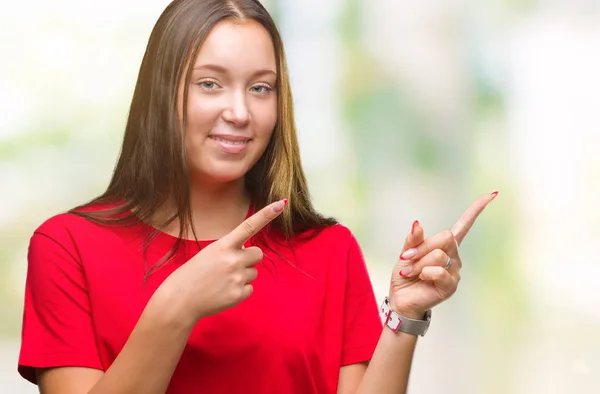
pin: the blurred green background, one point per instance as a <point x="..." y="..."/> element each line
<point x="406" y="110"/>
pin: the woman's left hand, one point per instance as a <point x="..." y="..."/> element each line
<point x="428" y="270"/>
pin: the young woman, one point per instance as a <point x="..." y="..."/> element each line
<point x="156" y="287"/>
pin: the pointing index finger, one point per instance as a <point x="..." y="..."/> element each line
<point x="251" y="226"/>
<point x="465" y="222"/>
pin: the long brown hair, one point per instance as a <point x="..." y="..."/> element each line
<point x="152" y="167"/>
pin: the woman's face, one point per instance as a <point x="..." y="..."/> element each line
<point x="232" y="102"/>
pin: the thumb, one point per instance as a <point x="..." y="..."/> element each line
<point x="415" y="238"/>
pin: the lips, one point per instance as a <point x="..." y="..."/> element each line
<point x="229" y="140"/>
<point x="232" y="144"/>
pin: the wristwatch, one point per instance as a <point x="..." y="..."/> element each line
<point x="401" y="323"/>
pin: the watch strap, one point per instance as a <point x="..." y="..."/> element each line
<point x="398" y="322"/>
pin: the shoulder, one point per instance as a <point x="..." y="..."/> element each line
<point x="62" y="226"/>
<point x="74" y="220"/>
<point x="55" y="241"/>
<point x="66" y="245"/>
<point x="73" y="228"/>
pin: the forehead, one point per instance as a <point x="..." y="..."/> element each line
<point x="241" y="45"/>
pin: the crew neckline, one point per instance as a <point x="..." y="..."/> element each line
<point x="164" y="237"/>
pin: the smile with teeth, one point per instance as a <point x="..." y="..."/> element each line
<point x="229" y="142"/>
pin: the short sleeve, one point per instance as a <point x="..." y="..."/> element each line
<point x="57" y="323"/>
<point x="362" y="326"/>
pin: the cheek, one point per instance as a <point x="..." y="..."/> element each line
<point x="201" y="116"/>
<point x="265" y="118"/>
<point x="201" y="111"/>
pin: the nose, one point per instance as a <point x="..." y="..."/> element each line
<point x="237" y="112"/>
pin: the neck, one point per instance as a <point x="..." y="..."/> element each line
<point x="216" y="209"/>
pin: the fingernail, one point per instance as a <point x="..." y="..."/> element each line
<point x="494" y="194"/>
<point x="415" y="224"/>
<point x="285" y="200"/>
<point x="408" y="254"/>
<point x="406" y="270"/>
<point x="278" y="206"/>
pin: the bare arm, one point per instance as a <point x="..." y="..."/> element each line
<point x="145" y="365"/>
<point x="393" y="349"/>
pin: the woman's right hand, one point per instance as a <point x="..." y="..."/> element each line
<point x="219" y="276"/>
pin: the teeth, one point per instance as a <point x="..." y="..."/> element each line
<point x="229" y="142"/>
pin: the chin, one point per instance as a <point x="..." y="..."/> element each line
<point x="220" y="175"/>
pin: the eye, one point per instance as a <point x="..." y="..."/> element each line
<point x="208" y="85"/>
<point x="261" y="89"/>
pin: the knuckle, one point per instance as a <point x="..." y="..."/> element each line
<point x="231" y="263"/>
<point x="442" y="295"/>
<point x="237" y="293"/>
<point x="238" y="279"/>
<point x="249" y="290"/>
<point x="440" y="256"/>
<point x="425" y="247"/>
<point x="248" y="227"/>
<point x="452" y="291"/>
<point x="253" y="273"/>
<point x="453" y="285"/>
<point x="446" y="293"/>
<point x="255" y="254"/>
<point x="448" y="237"/>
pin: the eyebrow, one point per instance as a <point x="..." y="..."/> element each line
<point x="223" y="70"/>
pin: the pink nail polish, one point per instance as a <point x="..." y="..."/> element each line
<point x="279" y="206"/>
<point x="285" y="201"/>
<point x="494" y="194"/>
<point x="408" y="254"/>
<point x="406" y="270"/>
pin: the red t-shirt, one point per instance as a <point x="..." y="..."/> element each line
<point x="86" y="289"/>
